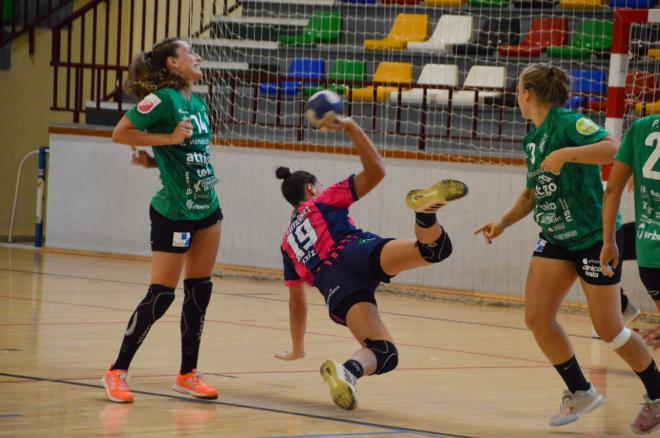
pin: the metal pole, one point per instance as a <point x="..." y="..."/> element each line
<point x="41" y="179"/>
<point x="10" y="237"/>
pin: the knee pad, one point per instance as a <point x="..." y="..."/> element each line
<point x="197" y="292"/>
<point x="437" y="251"/>
<point x="159" y="298"/>
<point x="387" y="356"/>
<point x="621" y="339"/>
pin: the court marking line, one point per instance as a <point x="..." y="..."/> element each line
<point x="10" y="415"/>
<point x="251" y="296"/>
<point x="244" y="406"/>
<point x="242" y="324"/>
<point x="346" y="434"/>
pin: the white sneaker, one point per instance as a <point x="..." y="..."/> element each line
<point x="341" y="383"/>
<point x="648" y="419"/>
<point x="574" y="405"/>
<point x="629" y="316"/>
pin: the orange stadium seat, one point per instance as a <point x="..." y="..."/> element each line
<point x="406" y="28"/>
<point x="393" y="72"/>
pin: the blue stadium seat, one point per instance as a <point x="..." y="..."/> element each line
<point x="587" y="81"/>
<point x="636" y="4"/>
<point x="300" y="68"/>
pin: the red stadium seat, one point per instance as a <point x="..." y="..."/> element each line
<point x="543" y="33"/>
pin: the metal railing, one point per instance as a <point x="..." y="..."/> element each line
<point x="93" y="48"/>
<point x="19" y="17"/>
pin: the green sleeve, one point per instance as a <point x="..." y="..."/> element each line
<point x="625" y="152"/>
<point x="155" y="109"/>
<point x="581" y="131"/>
<point x="530" y="181"/>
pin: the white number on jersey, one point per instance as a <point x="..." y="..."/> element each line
<point x="302" y="239"/>
<point x="532" y="149"/>
<point x="647" y="170"/>
<point x="199" y="121"/>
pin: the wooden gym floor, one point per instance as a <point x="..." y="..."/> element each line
<point x="464" y="370"/>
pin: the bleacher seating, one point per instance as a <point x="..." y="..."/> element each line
<point x="445" y="3"/>
<point x="299" y="68"/>
<point x="582" y="4"/>
<point x="405" y="29"/>
<point x="483" y="77"/>
<point x="392" y="72"/>
<point x="494" y="32"/>
<point x="543" y="33"/>
<point x="634" y="4"/>
<point x="432" y="74"/>
<point x="322" y="28"/>
<point x="641" y="86"/>
<point x="643" y="38"/>
<point x="587" y="85"/>
<point x="488" y="3"/>
<point x="341" y="71"/>
<point x="647" y="108"/>
<point x="593" y="36"/>
<point x="450" y="30"/>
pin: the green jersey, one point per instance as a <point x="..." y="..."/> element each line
<point x="187" y="177"/>
<point x="640" y="150"/>
<point x="568" y="205"/>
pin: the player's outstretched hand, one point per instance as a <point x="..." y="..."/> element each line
<point x="609" y="254"/>
<point x="142" y="158"/>
<point x="182" y="131"/>
<point x="652" y="337"/>
<point x="490" y="230"/>
<point x="339" y="123"/>
<point x="285" y="355"/>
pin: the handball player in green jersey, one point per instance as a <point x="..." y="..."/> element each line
<point x="185" y="213"/>
<point x="639" y="157"/>
<point x="564" y="192"/>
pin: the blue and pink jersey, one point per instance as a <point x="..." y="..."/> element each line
<point x="316" y="231"/>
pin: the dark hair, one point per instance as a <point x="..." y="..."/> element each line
<point x="550" y="84"/>
<point x="293" y="184"/>
<point x="148" y="71"/>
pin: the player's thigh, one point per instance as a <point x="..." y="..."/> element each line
<point x="201" y="257"/>
<point x="604" y="303"/>
<point x="166" y="268"/>
<point x="363" y="320"/>
<point x="548" y="282"/>
<point x="401" y="255"/>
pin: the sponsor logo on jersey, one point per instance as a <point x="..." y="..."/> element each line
<point x="585" y="126"/>
<point x="181" y="240"/>
<point x="147" y="104"/>
<point x="591" y="268"/>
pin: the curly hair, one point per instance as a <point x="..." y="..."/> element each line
<point x="148" y="71"/>
<point x="550" y="84"/>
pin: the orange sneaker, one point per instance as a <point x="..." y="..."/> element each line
<point x="192" y="384"/>
<point x="115" y="383"/>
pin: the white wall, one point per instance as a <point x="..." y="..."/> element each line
<point x="98" y="202"/>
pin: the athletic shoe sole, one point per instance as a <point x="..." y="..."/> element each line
<point x="183" y="390"/>
<point x="111" y="398"/>
<point x="595" y="405"/>
<point x="434" y="197"/>
<point x="340" y="391"/>
<point x="641" y="432"/>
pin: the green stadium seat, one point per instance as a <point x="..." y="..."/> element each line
<point x="341" y="71"/>
<point x="322" y="28"/>
<point x="593" y="36"/>
<point x="488" y="3"/>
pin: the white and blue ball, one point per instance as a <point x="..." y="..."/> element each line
<point x="324" y="107"/>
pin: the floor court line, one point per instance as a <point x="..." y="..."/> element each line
<point x="253" y="296"/>
<point x="328" y="435"/>
<point x="251" y="407"/>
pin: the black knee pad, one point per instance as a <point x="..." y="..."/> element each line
<point x="387" y="356"/>
<point x="437" y="251"/>
<point x="197" y="292"/>
<point x="159" y="298"/>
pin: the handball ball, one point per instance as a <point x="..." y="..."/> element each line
<point x="323" y="107"/>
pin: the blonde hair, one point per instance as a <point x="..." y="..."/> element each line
<point x="148" y="71"/>
<point x="551" y="85"/>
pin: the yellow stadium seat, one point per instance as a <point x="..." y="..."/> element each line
<point x="648" y="107"/>
<point x="445" y="3"/>
<point x="406" y="28"/>
<point x="393" y="72"/>
<point x="581" y="4"/>
<point x="654" y="53"/>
